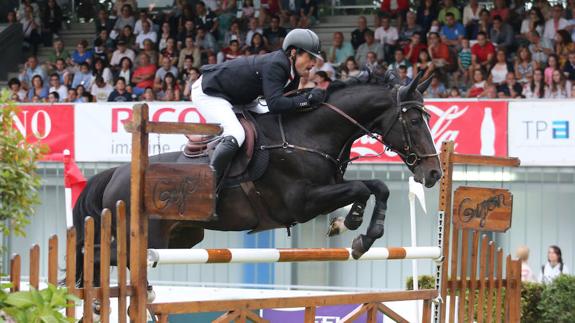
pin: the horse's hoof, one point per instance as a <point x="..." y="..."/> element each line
<point x="357" y="249"/>
<point x="336" y="226"/>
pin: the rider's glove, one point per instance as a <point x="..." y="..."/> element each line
<point x="316" y="96"/>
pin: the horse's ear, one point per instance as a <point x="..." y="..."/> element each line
<point x="405" y="92"/>
<point x="424" y="85"/>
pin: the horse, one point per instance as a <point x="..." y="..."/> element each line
<point x="304" y="177"/>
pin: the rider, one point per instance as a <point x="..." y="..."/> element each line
<point x="243" y="80"/>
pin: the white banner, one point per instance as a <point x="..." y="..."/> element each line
<point x="541" y="132"/>
<point x="100" y="133"/>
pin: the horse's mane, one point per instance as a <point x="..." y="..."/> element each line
<point x="388" y="79"/>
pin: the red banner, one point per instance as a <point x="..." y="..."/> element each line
<point x="477" y="127"/>
<point x="52" y="125"/>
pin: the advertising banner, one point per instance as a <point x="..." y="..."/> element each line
<point x="51" y="125"/>
<point x="541" y="132"/>
<point x="477" y="127"/>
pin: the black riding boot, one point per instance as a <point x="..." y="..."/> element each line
<point x="223" y="155"/>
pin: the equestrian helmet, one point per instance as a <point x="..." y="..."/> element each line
<point x="303" y="39"/>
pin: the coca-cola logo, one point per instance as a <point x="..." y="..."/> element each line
<point x="441" y="129"/>
<point x="33" y="123"/>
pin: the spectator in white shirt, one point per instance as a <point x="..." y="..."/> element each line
<point x="56" y="86"/>
<point x="557" y="22"/>
<point x="254" y="28"/>
<point x="101" y="90"/>
<point x="147" y="33"/>
<point x="553" y="267"/>
<point x="387" y="36"/>
<point x="143" y="17"/>
<point x="121" y="52"/>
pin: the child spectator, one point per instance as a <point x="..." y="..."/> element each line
<point x="526" y="272"/>
<point x="464" y="60"/>
<point x="552" y="65"/>
<point x="120" y="93"/>
<point x="322" y="80"/>
<point x="53" y="97"/>
<point x="535" y="89"/>
<point x="16" y="90"/>
<point x="454" y="93"/>
<point x="479" y="84"/>
<point x="560" y="88"/>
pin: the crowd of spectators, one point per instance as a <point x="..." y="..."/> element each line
<point x="506" y="51"/>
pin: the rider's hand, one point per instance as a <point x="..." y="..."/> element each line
<point x="316" y="96"/>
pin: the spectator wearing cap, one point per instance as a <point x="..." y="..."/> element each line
<point x="539" y="47"/>
<point x="340" y="50"/>
<point x="143" y="76"/>
<point x="166" y="68"/>
<point x="83" y="76"/>
<point x="368" y="46"/>
<point x="400" y="60"/>
<point x="31" y="69"/>
<point x="207" y="19"/>
<point x="448" y="7"/>
<point x="37" y="89"/>
<point x="16" y="90"/>
<point x="103" y="22"/>
<point x="82" y="54"/>
<point x="206" y="42"/>
<point x="125" y="19"/>
<point x="146" y="33"/>
<point x="56" y="86"/>
<point x="387" y="36"/>
<point x="413" y="48"/>
<point x="452" y="31"/>
<point x="501" y="34"/>
<point x="121" y="52"/>
<point x="483" y="52"/>
<point x="120" y="93"/>
<point x="557" y="22"/>
<point x="143" y="16"/>
<point x="358" y="35"/>
<point x="275" y="34"/>
<point x="409" y="28"/>
<point x="190" y="50"/>
<point x="101" y="90"/>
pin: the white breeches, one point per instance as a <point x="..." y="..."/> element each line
<point x="219" y="110"/>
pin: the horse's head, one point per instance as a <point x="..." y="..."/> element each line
<point x="406" y="131"/>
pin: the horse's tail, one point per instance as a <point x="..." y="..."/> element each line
<point x="89" y="203"/>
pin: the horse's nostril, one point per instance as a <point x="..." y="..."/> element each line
<point x="435" y="174"/>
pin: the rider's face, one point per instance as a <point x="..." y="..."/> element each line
<point x="304" y="62"/>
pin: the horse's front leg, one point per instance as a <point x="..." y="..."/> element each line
<point x="363" y="242"/>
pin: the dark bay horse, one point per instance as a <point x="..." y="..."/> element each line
<point x="298" y="185"/>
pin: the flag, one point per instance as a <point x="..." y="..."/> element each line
<point x="73" y="178"/>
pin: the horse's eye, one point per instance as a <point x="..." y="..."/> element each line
<point x="414" y="122"/>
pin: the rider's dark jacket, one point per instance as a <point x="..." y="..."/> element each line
<point x="244" y="79"/>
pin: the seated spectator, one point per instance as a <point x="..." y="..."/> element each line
<point x="404" y="79"/>
<point x="72" y="96"/>
<point x="436" y="88"/>
<point x="52" y="19"/>
<point x="256" y="46"/>
<point x="171" y="51"/>
<point x="248" y="10"/>
<point x="438" y="51"/>
<point x="234" y="33"/>
<point x="53" y="97"/>
<point x="169" y="89"/>
<point x="83" y="77"/>
<point x="100" y="68"/>
<point x="409" y="29"/>
<point x="358" y="35"/>
<point x="128" y="37"/>
<point x="100" y="51"/>
<point x="471" y="13"/>
<point x="426" y="14"/>
<point x="372" y="63"/>
<point x="424" y="64"/>
<point x="120" y="53"/>
<point x="539" y="48"/>
<point x="322" y="80"/>
<point x="148" y="95"/>
<point x="125" y="69"/>
<point x="524" y="65"/>
<point x="31" y="69"/>
<point x="107" y="43"/>
<point x="510" y="89"/>
<point x="394" y="9"/>
<point x="479" y="84"/>
<point x="413" y="48"/>
<point x="165" y="33"/>
<point x="206" y="19"/>
<point x="120" y="4"/>
<point x="190" y="50"/>
<point x="38" y="89"/>
<point x="552" y="65"/>
<point x="143" y="16"/>
<point x="448" y="7"/>
<point x="452" y="31"/>
<point x="64" y="72"/>
<point x="56" y="86"/>
<point x="369" y="46"/>
<point x="535" y="88"/>
<point x="340" y="50"/>
<point x="120" y="94"/>
<point x="500" y="69"/>
<point x="103" y="22"/>
<point x="483" y="25"/>
<point x="189" y="31"/>
<point x="143" y="76"/>
<point x="560" y="88"/>
<point x="501" y="34"/>
<point x="464" y="61"/>
<point x="193" y="75"/>
<point x="308" y="13"/>
<point x="454" y="93"/>
<point x="231" y="52"/>
<point x="387" y="36"/>
<point x="101" y="90"/>
<point x="533" y="22"/>
<point x="563" y="45"/>
<point x="124" y="19"/>
<point x="184" y="72"/>
<point x="400" y="60"/>
<point x="254" y="28"/>
<point x="150" y="50"/>
<point x="483" y="52"/>
<point x="16" y="90"/>
<point x="146" y="33"/>
<point x="500" y="10"/>
<point x="207" y="43"/>
<point x="161" y="73"/>
<point x="82" y="54"/>
<point x="490" y="92"/>
<point x="569" y="67"/>
<point x="275" y="34"/>
<point x="556" y="23"/>
<point x="349" y="69"/>
<point x="323" y="65"/>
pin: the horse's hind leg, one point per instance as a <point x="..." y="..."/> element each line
<point x="363" y="242"/>
<point x="352" y="220"/>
